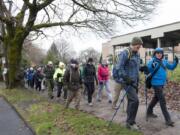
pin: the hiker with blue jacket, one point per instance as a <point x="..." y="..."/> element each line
<point x="128" y="71"/>
<point x="158" y="81"/>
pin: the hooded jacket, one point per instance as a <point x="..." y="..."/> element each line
<point x="159" y="79"/>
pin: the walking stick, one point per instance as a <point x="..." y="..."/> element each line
<point x="124" y="91"/>
<point x="145" y="92"/>
<point x="121" y="101"/>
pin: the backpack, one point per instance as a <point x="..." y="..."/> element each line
<point x="74" y="85"/>
<point x="115" y="71"/>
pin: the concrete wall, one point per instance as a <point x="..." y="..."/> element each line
<point x="107" y="50"/>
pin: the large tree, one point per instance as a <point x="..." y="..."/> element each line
<point x="60" y="50"/>
<point x="29" y="16"/>
<point x="89" y="53"/>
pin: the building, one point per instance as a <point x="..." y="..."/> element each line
<point x="165" y="36"/>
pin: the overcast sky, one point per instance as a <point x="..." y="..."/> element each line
<point x="167" y="12"/>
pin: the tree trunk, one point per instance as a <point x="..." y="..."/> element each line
<point x="14" y="49"/>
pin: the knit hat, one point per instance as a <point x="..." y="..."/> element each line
<point x="61" y="64"/>
<point x="50" y="62"/>
<point x="136" y="41"/>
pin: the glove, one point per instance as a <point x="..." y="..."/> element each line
<point x="59" y="75"/>
<point x="101" y="82"/>
<point x="176" y="59"/>
<point x="128" y="80"/>
<point x="144" y="69"/>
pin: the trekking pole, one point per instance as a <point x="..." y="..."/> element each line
<point x="121" y="101"/>
<point x="145" y="92"/>
<point x="124" y="91"/>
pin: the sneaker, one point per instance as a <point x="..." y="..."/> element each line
<point x="90" y="104"/>
<point x="170" y="123"/>
<point x="132" y="127"/>
<point x="152" y="115"/>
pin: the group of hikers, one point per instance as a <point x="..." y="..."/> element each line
<point x="70" y="79"/>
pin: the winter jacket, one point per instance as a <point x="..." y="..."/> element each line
<point x="103" y="73"/>
<point x="58" y="75"/>
<point x="128" y="66"/>
<point x="161" y="75"/>
<point x="49" y="72"/>
<point x="30" y="75"/>
<point x="38" y="76"/>
<point x="72" y="78"/>
<point x="89" y="73"/>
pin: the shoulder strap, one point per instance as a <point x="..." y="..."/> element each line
<point x="129" y="53"/>
<point x="155" y="71"/>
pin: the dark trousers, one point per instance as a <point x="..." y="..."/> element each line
<point x="132" y="106"/>
<point x="59" y="90"/>
<point x="90" y="90"/>
<point x="159" y="96"/>
<point x="38" y="85"/>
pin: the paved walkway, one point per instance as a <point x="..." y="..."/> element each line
<point x="10" y="122"/>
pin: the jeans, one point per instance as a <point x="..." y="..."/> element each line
<point x="101" y="85"/>
<point x="159" y="96"/>
<point x="132" y="105"/>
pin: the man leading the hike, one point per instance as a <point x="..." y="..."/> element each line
<point x="128" y="70"/>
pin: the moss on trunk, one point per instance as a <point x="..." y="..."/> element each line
<point x="14" y="49"/>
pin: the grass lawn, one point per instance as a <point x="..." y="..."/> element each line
<point x="50" y="118"/>
<point x="175" y="74"/>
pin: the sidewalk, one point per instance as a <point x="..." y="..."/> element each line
<point x="10" y="122"/>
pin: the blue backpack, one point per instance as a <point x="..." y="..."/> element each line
<point x="115" y="71"/>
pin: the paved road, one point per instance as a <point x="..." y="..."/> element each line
<point x="10" y="122"/>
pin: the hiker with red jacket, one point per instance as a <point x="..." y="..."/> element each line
<point x="103" y="80"/>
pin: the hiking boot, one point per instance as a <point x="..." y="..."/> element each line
<point x="170" y="123"/>
<point x="151" y="115"/>
<point x="132" y="127"/>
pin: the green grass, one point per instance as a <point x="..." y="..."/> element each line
<point x="48" y="118"/>
<point x="174" y="75"/>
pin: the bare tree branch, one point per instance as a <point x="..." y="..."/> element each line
<point x="5" y="11"/>
<point x="44" y="4"/>
<point x="28" y="3"/>
<point x="46" y="25"/>
<point x="48" y="16"/>
<point x="20" y="16"/>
